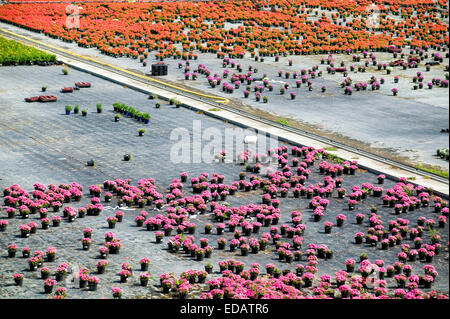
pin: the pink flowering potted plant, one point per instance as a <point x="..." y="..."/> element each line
<point x="328" y="226"/>
<point x="124" y="275"/>
<point x="45" y="273"/>
<point x="3" y="225"/>
<point x="12" y="249"/>
<point x="144" y="262"/>
<point x="350" y="265"/>
<point x="359" y="237"/>
<point x="93" y="283"/>
<point x="101" y="266"/>
<point x="56" y="220"/>
<point x="111" y="220"/>
<point x="143" y="278"/>
<point x="24" y="231"/>
<point x="340" y="218"/>
<point x="86" y="243"/>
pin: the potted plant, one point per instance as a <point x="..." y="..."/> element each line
<point x="45" y="273"/>
<point x="103" y="252"/>
<point x="61" y="272"/>
<point x="111" y="222"/>
<point x="328" y="226"/>
<point x="24" y="231"/>
<point x="33" y="263"/>
<point x="101" y="266"/>
<point x="143" y="278"/>
<point x="84" y="112"/>
<point x="340" y="218"/>
<point x="144" y="262"/>
<point x="208" y="267"/>
<point x="93" y="282"/>
<point x="99" y="108"/>
<point x="359" y="237"/>
<point x="76" y="109"/>
<point x="26" y="252"/>
<point x="51" y="254"/>
<point x="86" y="243"/>
<point x="244" y="249"/>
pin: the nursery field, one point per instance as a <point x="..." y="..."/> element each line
<point x="268" y="229"/>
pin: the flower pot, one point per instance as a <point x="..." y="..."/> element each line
<point x="25" y="235"/>
<point x="101" y="270"/>
<point x="18" y="281"/>
<point x="123" y="279"/>
<point x="144" y="282"/>
<point x="59" y="277"/>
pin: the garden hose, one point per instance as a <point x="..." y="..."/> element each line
<point x="214" y="98"/>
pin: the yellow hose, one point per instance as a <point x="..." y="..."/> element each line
<point x="215" y="98"/>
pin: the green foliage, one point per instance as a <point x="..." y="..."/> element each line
<point x="12" y="52"/>
<point x="434" y="171"/>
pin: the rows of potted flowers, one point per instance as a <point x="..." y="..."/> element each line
<point x="285" y="241"/>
